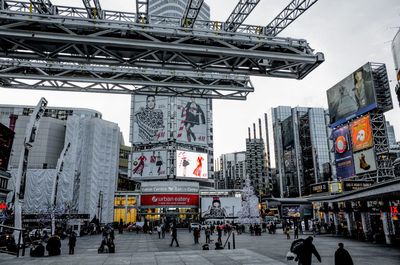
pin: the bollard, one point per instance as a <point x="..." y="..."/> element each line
<point x="229" y="245"/>
<point x="233" y="241"/>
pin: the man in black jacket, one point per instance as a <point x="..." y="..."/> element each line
<point x="305" y="253"/>
<point x="342" y="256"/>
<point x="174" y="236"/>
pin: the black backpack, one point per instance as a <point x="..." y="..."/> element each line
<point x="297" y="246"/>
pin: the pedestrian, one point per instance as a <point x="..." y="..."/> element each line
<point x="72" y="243"/>
<point x="307" y="250"/>
<point x="219" y="231"/>
<point x="208" y="234"/>
<point x="342" y="256"/>
<point x="163" y="228"/>
<point x="296" y="232"/>
<point x="159" y="231"/>
<point x="54" y="246"/>
<point x="174" y="236"/>
<point x="251" y="230"/>
<point x="287" y="231"/>
<point x="196" y="235"/>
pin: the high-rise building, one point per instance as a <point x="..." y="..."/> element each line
<point x="233" y="170"/>
<point x="391" y="134"/>
<point x="175" y="8"/>
<point x="301" y="148"/>
<point x="90" y="169"/>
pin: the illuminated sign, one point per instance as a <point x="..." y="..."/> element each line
<point x="319" y="188"/>
<point x="356" y="185"/>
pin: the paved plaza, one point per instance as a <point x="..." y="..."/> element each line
<point x="132" y="248"/>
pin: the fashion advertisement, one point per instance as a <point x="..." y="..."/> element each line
<point x="149" y="119"/>
<point x="343" y="154"/>
<point x="365" y="161"/>
<point x="192" y="121"/>
<point x="361" y="134"/>
<point x="353" y="95"/>
<point x="191" y="165"/>
<point x="220" y="207"/>
<point x="291" y="211"/>
<point x="6" y="141"/>
<point x="396" y="54"/>
<point x="149" y="164"/>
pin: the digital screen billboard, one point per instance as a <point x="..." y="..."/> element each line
<point x="352" y="96"/>
<point x="150" y="119"/>
<point x="192" y="121"/>
<point x="361" y="134"/>
<point x="149" y="164"/>
<point x="343" y="153"/>
<point x="6" y="141"/>
<point x="191" y="164"/>
<point x="220" y="207"/>
<point x="365" y="161"/>
<point x="291" y="211"/>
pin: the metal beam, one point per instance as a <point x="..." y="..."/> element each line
<point x="291" y="12"/>
<point x="239" y="14"/>
<point x="192" y="10"/>
<point x="142" y="11"/>
<point x="93" y="9"/>
<point x="43" y="6"/>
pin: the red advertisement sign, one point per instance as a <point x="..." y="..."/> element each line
<point x="169" y="200"/>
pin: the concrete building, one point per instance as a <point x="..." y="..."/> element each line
<point x="391" y="134"/>
<point x="233" y="170"/>
<point x="301" y="148"/>
<point x="90" y="167"/>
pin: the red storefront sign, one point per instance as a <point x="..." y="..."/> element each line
<point x="169" y="200"/>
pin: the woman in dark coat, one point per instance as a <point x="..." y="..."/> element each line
<point x="342" y="256"/>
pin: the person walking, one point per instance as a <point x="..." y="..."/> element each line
<point x="196" y="235"/>
<point x="287" y="231"/>
<point x="159" y="231"/>
<point x="208" y="234"/>
<point x="307" y="250"/>
<point x="342" y="256"/>
<point x="174" y="236"/>
<point x="296" y="232"/>
<point x="72" y="243"/>
<point x="163" y="228"/>
<point x="219" y="231"/>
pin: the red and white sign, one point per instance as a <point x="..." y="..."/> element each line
<point x="169" y="200"/>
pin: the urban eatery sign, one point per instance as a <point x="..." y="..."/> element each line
<point x="169" y="200"/>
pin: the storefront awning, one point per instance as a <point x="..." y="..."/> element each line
<point x="386" y="188"/>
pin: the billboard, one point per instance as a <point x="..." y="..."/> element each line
<point x="365" y="161"/>
<point x="220" y="207"/>
<point x="169" y="200"/>
<point x="396" y="54"/>
<point x="291" y="211"/>
<point x="149" y="164"/>
<point x="191" y="164"/>
<point x="361" y="134"/>
<point x="192" y="121"/>
<point x="6" y="141"/>
<point x="353" y="95"/>
<point x="343" y="153"/>
<point x="150" y="119"/>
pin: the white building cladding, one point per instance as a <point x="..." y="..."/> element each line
<point x="90" y="166"/>
<point x="175" y="8"/>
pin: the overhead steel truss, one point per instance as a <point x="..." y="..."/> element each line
<point x="192" y="10"/>
<point x="239" y="14"/>
<point x="80" y="77"/>
<point x="93" y="9"/>
<point x="42" y="6"/>
<point x="66" y="35"/>
<point x="291" y="12"/>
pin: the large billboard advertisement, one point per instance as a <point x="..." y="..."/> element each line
<point x="352" y="96"/>
<point x="149" y="164"/>
<point x="191" y="121"/>
<point x="150" y="119"/>
<point x="220" y="207"/>
<point x="191" y="164"/>
<point x="396" y="53"/>
<point x="365" y="161"/>
<point x="343" y="153"/>
<point x="6" y="141"/>
<point x="170" y="200"/>
<point x="361" y="134"/>
<point x="291" y="211"/>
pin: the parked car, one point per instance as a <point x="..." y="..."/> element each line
<point x="195" y="225"/>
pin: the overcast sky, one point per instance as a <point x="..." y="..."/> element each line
<point x="349" y="33"/>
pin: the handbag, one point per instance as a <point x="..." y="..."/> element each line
<point x="290" y="255"/>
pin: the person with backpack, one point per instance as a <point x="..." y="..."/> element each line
<point x="342" y="256"/>
<point x="304" y="249"/>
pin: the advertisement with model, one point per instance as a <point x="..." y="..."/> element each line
<point x="220" y="207"/>
<point x="352" y="96"/>
<point x="149" y="164"/>
<point x="191" y="165"/>
<point x="192" y="121"/>
<point x="365" y="161"/>
<point x="361" y="134"/>
<point x="149" y="114"/>
<point x="396" y="53"/>
<point x="343" y="153"/>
